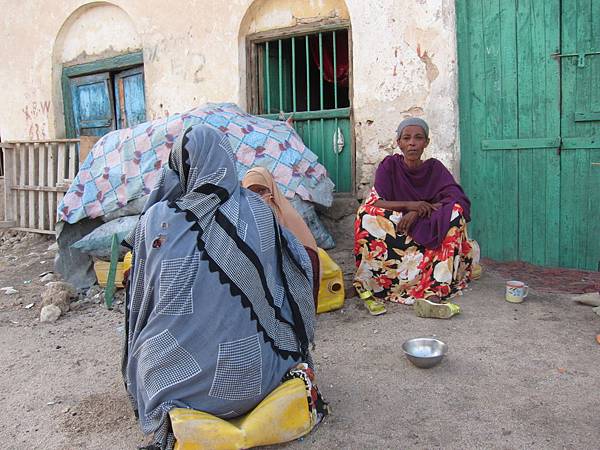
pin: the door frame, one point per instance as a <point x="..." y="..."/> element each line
<point x="120" y="62"/>
<point x="252" y="81"/>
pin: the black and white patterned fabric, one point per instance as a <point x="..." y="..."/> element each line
<point x="177" y="278"/>
<point x="239" y="370"/>
<point x="163" y="363"/>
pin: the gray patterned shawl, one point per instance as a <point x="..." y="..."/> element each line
<point x="219" y="303"/>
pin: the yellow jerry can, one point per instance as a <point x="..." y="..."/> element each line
<point x="331" y="289"/>
<point x="101" y="269"/>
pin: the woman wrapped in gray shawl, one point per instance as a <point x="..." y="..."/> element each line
<point x="219" y="303"/>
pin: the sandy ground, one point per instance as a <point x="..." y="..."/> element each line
<point x="516" y="376"/>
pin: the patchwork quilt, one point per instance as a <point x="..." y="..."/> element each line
<point x="124" y="164"/>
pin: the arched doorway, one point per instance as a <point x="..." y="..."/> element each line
<point x="101" y="72"/>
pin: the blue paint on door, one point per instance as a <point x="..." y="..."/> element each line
<point x="129" y="87"/>
<point x="92" y="104"/>
<point x="106" y="101"/>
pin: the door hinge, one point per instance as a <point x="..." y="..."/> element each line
<point x="580" y="56"/>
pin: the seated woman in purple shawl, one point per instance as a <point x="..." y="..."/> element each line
<point x="411" y="243"/>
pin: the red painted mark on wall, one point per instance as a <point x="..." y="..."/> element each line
<point x="430" y="68"/>
<point x="36" y="117"/>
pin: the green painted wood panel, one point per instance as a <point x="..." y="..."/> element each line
<point x="580" y="194"/>
<point x="509" y="92"/>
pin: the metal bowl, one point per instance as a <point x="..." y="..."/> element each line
<point x="424" y="352"/>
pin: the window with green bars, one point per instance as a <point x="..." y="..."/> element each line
<point x="308" y="76"/>
<point x="292" y="79"/>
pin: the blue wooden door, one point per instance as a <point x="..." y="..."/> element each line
<point x="93" y="108"/>
<point x="129" y="97"/>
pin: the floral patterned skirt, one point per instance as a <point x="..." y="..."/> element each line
<point x="394" y="267"/>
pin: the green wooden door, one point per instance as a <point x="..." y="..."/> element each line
<point x="526" y="150"/>
<point x="509" y="121"/>
<point x="580" y="127"/>
<point x="294" y="80"/>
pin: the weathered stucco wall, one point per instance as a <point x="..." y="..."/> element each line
<point x="404" y="64"/>
<point x="404" y="60"/>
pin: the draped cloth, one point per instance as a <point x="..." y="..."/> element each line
<point x="430" y="182"/>
<point x="285" y="212"/>
<point x="341" y="72"/>
<point x="219" y="302"/>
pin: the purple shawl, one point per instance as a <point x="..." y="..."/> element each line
<point x="433" y="183"/>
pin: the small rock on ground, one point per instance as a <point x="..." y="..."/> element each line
<point x="50" y="313"/>
<point x="58" y="293"/>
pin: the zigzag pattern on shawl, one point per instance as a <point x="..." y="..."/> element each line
<point x="233" y="259"/>
<point x="292" y="271"/>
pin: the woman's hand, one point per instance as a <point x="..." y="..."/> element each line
<point x="423" y="209"/>
<point x="406" y="222"/>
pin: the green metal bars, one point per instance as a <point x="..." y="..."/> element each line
<point x="299" y="75"/>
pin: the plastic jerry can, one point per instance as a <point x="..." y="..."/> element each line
<point x="331" y="289"/>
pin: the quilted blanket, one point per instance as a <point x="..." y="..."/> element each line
<point x="124" y="164"/>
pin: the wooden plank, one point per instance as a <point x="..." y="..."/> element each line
<point x="11" y="144"/>
<point x="568" y="176"/>
<point x="33" y="188"/>
<point x="520" y="144"/>
<point x="509" y="194"/>
<point x="33" y="172"/>
<point x="9" y="176"/>
<point x="466" y="152"/>
<point x="525" y="95"/>
<point x="590" y="116"/>
<point x="340" y="113"/>
<point x="493" y="119"/>
<point x="51" y="178"/>
<point x="102" y="65"/>
<point x="73" y="164"/>
<point x="552" y="159"/>
<point x="538" y="129"/>
<point x="581" y="143"/>
<point x="33" y="230"/>
<point x="23" y="178"/>
<point x="60" y="168"/>
<point x="42" y="183"/>
<point x="14" y="177"/>
<point x="7" y="224"/>
<point x="585" y="247"/>
<point x="300" y="30"/>
<point x="478" y="191"/>
<point x="61" y="163"/>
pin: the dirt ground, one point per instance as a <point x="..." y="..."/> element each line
<point x="516" y="376"/>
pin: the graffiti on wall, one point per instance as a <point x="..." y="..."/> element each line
<point x="36" y="117"/>
<point x="187" y="64"/>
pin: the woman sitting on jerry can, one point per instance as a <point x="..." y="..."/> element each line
<point x="220" y="312"/>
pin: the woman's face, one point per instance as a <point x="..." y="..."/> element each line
<point x="413" y="142"/>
